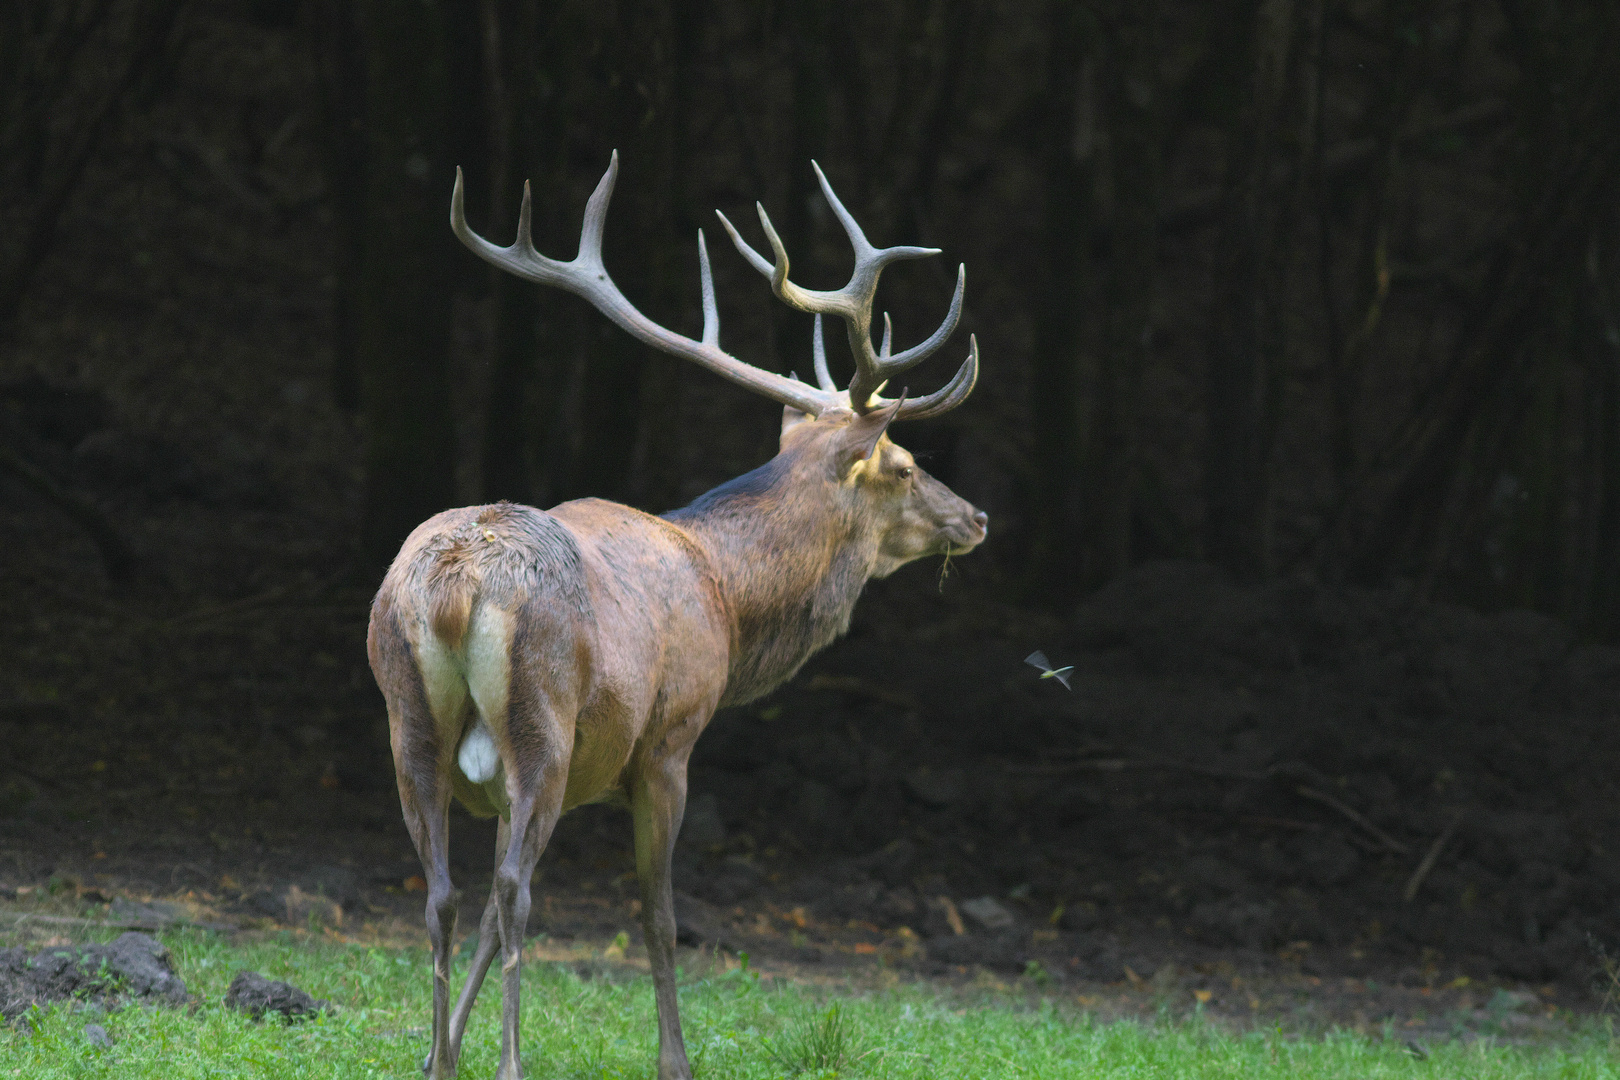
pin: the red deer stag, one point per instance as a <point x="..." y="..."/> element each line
<point x="536" y="660"/>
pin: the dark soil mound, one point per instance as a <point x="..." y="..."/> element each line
<point x="135" y="966"/>
<point x="256" y="995"/>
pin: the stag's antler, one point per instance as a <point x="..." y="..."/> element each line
<point x="586" y="276"/>
<point x="853" y="304"/>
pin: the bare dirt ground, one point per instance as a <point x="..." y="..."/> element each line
<point x="1302" y="804"/>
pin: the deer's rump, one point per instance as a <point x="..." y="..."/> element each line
<point x="487" y="601"/>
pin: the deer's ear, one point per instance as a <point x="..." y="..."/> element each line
<point x="792" y="418"/>
<point x="860" y="438"/>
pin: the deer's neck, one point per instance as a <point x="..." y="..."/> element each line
<point x="790" y="566"/>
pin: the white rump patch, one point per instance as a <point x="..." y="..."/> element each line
<point x="478" y="757"/>
<point x="479" y="670"/>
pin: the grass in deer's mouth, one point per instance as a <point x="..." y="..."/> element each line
<point x="738" y="1027"/>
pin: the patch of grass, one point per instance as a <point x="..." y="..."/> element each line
<point x="819" y="1043"/>
<point x="738" y="1027"/>
<point x="1607" y="978"/>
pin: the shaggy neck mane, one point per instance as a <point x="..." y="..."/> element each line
<point x="791" y="564"/>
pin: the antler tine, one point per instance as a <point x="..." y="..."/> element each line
<point x="590" y="233"/>
<point x="755" y="259"/>
<point x="823" y="376"/>
<point x="857" y="239"/>
<point x="525" y="233"/>
<point x="853" y="302"/>
<point x="587" y="277"/>
<point x="885" y="367"/>
<point x="521" y="258"/>
<point x="946" y="397"/>
<point x="711" y="310"/>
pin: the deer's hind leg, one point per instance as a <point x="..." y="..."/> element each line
<point x="424" y="795"/>
<point x="537" y="801"/>
<point x="489" y="940"/>
<point x="534" y="728"/>
<point x="431" y="831"/>
<point x="426" y="708"/>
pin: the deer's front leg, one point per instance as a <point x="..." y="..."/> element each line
<point x="657" y="803"/>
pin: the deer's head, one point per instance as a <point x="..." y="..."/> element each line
<point x="876" y="485"/>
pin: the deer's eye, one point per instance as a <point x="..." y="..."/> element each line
<point x="905" y="473"/>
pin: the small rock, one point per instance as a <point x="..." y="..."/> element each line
<point x="97" y="1036"/>
<point x="144" y="967"/>
<point x="990" y="913"/>
<point x="256" y="995"/>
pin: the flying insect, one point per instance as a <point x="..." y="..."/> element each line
<point x="1037" y="659"/>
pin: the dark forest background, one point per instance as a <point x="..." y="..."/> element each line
<point x="1298" y="426"/>
<point x="1297" y="287"/>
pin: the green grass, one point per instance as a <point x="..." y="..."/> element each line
<point x="737" y="1027"/>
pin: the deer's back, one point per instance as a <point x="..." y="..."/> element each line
<point x="660" y="624"/>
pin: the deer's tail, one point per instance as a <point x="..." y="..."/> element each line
<point x="473" y="640"/>
<point x="453" y="587"/>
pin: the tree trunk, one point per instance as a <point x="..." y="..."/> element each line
<point x="1600" y="612"/>
<point x="1055" y="382"/>
<point x="515" y="60"/>
<point x="403" y="319"/>
<point x="1133" y="100"/>
<point x="628" y="406"/>
<point x="1243" y="379"/>
<point x="65" y="75"/>
<point x="341" y="59"/>
<point x="1104" y="145"/>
